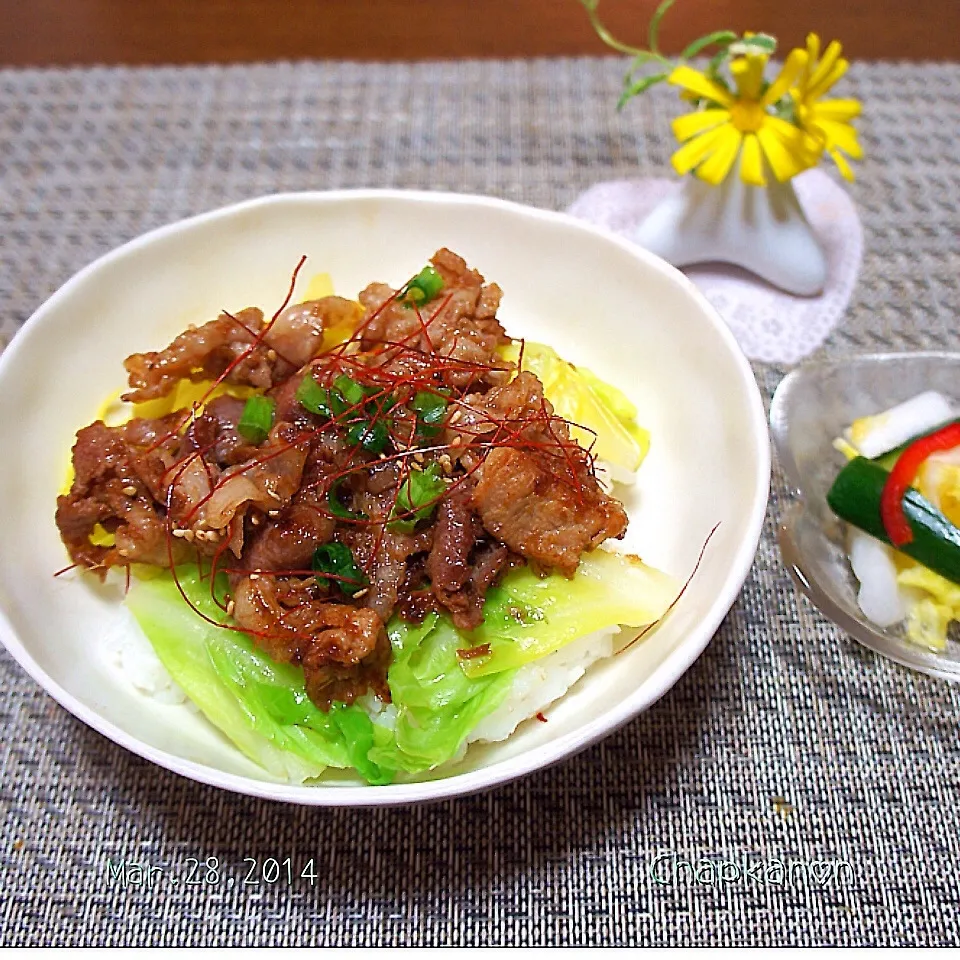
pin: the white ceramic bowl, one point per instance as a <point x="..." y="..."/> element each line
<point x="601" y="302"/>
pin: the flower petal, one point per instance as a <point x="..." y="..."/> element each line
<point x="690" y="124"/>
<point x="794" y="66"/>
<point x="748" y="72"/>
<point x="818" y="87"/>
<point x="839" y="110"/>
<point x="842" y="165"/>
<point x="842" y="136"/>
<point x="798" y="140"/>
<point x="697" y="83"/>
<point x="716" y="167"/>
<point x="830" y="56"/>
<point x="694" y="152"/>
<point x="787" y="149"/>
<point x="751" y="162"/>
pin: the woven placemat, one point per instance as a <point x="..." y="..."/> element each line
<point x="809" y="786"/>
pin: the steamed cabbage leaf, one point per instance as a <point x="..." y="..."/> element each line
<point x="528" y="616"/>
<point x="602" y="417"/>
<point x="261" y="705"/>
<point x="438" y="705"/>
<point x="438" y="695"/>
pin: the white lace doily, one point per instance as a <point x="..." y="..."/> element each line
<point x="769" y="325"/>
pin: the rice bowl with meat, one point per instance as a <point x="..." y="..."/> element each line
<point x="361" y="534"/>
<point x="597" y="300"/>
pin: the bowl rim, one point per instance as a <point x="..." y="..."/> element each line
<point x="676" y="663"/>
<point x="867" y="634"/>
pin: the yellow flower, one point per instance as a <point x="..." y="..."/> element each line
<point x="827" y="120"/>
<point x="742" y="124"/>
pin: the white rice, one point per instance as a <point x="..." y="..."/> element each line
<point x="129" y="652"/>
<point x="538" y="684"/>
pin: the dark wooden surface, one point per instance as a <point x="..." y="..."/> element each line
<point x="42" y="32"/>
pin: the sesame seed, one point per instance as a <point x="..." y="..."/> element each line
<point x="255" y="520"/>
<point x="456" y="441"/>
<point x="179" y="533"/>
<point x="273" y="513"/>
<point x="271" y="355"/>
<point x="231" y="606"/>
<point x="130" y="491"/>
<point x="361" y="593"/>
<point x="456" y="415"/>
<point x="254" y="576"/>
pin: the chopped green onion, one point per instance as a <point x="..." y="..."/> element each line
<point x="337" y="560"/>
<point x="371" y="435"/>
<point x="418" y="493"/>
<point x="314" y="398"/>
<point x="384" y="403"/>
<point x="257" y="419"/>
<point x="424" y="286"/>
<point x="336" y="505"/>
<point x="347" y="394"/>
<point x="431" y="408"/>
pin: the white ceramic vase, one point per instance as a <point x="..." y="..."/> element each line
<point x="762" y="229"/>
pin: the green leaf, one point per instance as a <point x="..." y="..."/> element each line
<point x="335" y="504"/>
<point x="758" y="43"/>
<point x="642" y="59"/>
<point x="423" y="287"/>
<point x="641" y="86"/>
<point x="347" y="394"/>
<point x="602" y="32"/>
<point x="437" y="704"/>
<point x="654" y="28"/>
<point x="716" y="62"/>
<point x="527" y="616"/>
<point x="431" y="408"/>
<point x="722" y="37"/>
<point x="263" y="708"/>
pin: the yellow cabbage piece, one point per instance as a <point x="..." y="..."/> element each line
<point x="936" y="603"/>
<point x="606" y="418"/>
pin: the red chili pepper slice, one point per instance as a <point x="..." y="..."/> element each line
<point x="902" y="476"/>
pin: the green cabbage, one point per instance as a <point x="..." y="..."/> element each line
<point x="438" y="697"/>
<point x="528" y="616"/>
<point x="437" y="703"/>
<point x="259" y="704"/>
<point x="263" y="707"/>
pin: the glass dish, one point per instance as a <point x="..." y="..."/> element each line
<point x="812" y="406"/>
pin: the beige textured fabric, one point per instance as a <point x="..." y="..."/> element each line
<point x="781" y="705"/>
